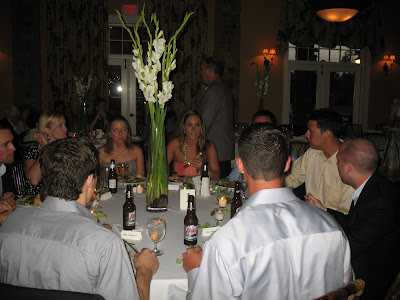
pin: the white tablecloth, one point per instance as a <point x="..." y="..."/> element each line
<point x="170" y="281"/>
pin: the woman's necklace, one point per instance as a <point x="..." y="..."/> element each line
<point x="118" y="152"/>
<point x="187" y="163"/>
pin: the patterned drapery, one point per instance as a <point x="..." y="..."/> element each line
<point x="76" y="36"/>
<point x="301" y="26"/>
<point x="191" y="45"/>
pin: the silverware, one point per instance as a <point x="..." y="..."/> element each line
<point x="131" y="246"/>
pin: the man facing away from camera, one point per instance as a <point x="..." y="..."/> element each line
<point x="60" y="244"/>
<point x="271" y="248"/>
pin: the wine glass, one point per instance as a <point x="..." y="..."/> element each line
<point x="97" y="189"/>
<point x="123" y="170"/>
<point x="156" y="227"/>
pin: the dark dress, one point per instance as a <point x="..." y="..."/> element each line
<point x="32" y="152"/>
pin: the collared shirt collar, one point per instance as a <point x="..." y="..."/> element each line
<point x="269" y="196"/>
<point x="57" y="204"/>
<point x="332" y="158"/>
<point x="356" y="194"/>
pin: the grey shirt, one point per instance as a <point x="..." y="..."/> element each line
<point x="217" y="112"/>
<point x="60" y="246"/>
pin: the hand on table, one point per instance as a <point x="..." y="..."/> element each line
<point x="311" y="200"/>
<point x="4" y="215"/>
<point x="146" y="261"/>
<point x="7" y="201"/>
<point x="192" y="258"/>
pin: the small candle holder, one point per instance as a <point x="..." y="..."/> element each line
<point x="222" y="201"/>
<point x="139" y="189"/>
<point x="219" y="214"/>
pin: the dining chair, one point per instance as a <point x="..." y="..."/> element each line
<point x="351" y="291"/>
<point x="19" y="178"/>
<point x="8" y="291"/>
<point x="394" y="291"/>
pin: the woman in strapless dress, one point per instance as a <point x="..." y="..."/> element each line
<point x="120" y="148"/>
<point x="191" y="150"/>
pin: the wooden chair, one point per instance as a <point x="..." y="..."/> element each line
<point x="394" y="291"/>
<point x="351" y="291"/>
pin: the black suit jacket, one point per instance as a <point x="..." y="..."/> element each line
<point x="372" y="227"/>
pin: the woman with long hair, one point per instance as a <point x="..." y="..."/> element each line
<point x="120" y="148"/>
<point x="191" y="150"/>
<point x="51" y="128"/>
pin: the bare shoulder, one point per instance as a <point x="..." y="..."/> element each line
<point x="174" y="143"/>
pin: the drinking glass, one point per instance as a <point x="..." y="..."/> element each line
<point x="156" y="227"/>
<point x="97" y="189"/>
<point x="123" y="169"/>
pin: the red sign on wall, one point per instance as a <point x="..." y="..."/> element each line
<point x="129" y="9"/>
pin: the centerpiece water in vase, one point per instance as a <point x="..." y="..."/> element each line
<point x="157" y="90"/>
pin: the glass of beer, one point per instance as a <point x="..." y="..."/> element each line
<point x="156" y="228"/>
<point x="123" y="169"/>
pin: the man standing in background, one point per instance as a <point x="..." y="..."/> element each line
<point x="217" y="111"/>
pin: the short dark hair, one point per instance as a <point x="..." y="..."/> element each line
<point x="215" y="64"/>
<point x="65" y="165"/>
<point x="361" y="153"/>
<point x="265" y="113"/>
<point x="261" y="142"/>
<point x="327" y="119"/>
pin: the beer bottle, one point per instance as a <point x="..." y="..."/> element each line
<point x="191" y="223"/>
<point x="236" y="202"/>
<point x="112" y="177"/>
<point x="205" y="171"/>
<point x="129" y="210"/>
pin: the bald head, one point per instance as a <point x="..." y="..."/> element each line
<point x="362" y="154"/>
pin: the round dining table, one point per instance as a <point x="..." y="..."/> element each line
<point x="170" y="281"/>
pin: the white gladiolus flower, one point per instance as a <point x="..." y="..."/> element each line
<point x="173" y="64"/>
<point x="160" y="34"/>
<point x="167" y="87"/>
<point x="159" y="45"/>
<point x="149" y="93"/>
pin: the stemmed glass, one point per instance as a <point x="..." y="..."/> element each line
<point x="97" y="189"/>
<point x="156" y="227"/>
<point x="123" y="170"/>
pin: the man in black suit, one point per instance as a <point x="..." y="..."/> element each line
<point x="372" y="225"/>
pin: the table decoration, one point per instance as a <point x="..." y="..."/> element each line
<point x="222" y="201"/>
<point x="261" y="83"/>
<point x="82" y="84"/>
<point x="139" y="189"/>
<point x="219" y="214"/>
<point x="160" y="57"/>
<point x="131" y="235"/>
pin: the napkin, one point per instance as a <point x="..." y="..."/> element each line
<point x="210" y="230"/>
<point x="173" y="187"/>
<point x="197" y="184"/>
<point x="205" y="187"/>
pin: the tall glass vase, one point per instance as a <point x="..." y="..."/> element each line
<point x="84" y="130"/>
<point x="157" y="184"/>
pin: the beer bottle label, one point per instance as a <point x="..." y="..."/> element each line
<point x="130" y="218"/>
<point x="112" y="183"/>
<point x="191" y="232"/>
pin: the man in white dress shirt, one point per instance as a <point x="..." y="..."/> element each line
<point x="271" y="248"/>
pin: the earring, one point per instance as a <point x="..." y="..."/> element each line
<point x="201" y="131"/>
<point x="184" y="132"/>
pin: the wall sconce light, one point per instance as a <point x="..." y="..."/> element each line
<point x="387" y="58"/>
<point x="357" y="61"/>
<point x="270" y="53"/>
<point x="336" y="10"/>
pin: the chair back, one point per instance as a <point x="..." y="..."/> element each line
<point x="394" y="291"/>
<point x="351" y="291"/>
<point x="19" y="178"/>
<point x="8" y="291"/>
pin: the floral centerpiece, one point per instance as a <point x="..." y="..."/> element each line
<point x="82" y="84"/>
<point x="262" y="82"/>
<point x="160" y="58"/>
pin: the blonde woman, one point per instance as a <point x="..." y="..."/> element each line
<point x="51" y="128"/>
<point x="191" y="149"/>
<point x="120" y="148"/>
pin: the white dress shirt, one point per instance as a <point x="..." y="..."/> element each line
<point x="276" y="247"/>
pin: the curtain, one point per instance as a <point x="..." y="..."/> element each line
<point x="76" y="36"/>
<point x="191" y="45"/>
<point x="301" y="26"/>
